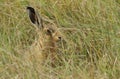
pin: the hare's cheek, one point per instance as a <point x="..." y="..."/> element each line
<point x="56" y="38"/>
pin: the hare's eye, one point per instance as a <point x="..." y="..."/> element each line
<point x="50" y="31"/>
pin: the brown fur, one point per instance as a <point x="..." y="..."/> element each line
<point x="46" y="44"/>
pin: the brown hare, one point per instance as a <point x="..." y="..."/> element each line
<point x="49" y="35"/>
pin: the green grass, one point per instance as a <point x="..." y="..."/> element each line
<point x="91" y="52"/>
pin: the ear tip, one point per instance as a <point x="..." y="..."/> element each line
<point x="28" y="7"/>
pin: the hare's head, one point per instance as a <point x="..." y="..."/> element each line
<point x="50" y="31"/>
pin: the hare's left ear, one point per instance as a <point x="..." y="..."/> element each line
<point x="35" y="17"/>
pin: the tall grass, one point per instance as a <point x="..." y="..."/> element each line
<point x="92" y="50"/>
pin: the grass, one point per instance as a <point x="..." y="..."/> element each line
<point x="92" y="51"/>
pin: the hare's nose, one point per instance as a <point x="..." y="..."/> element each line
<point x="60" y="38"/>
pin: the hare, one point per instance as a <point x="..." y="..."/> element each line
<point x="48" y="36"/>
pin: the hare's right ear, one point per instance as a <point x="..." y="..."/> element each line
<point x="34" y="17"/>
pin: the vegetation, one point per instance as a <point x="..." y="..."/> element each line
<point x="92" y="49"/>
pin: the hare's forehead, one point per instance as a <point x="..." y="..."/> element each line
<point x="50" y="27"/>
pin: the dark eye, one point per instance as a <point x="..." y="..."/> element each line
<point x="50" y="31"/>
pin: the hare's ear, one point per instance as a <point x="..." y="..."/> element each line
<point x="34" y="17"/>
